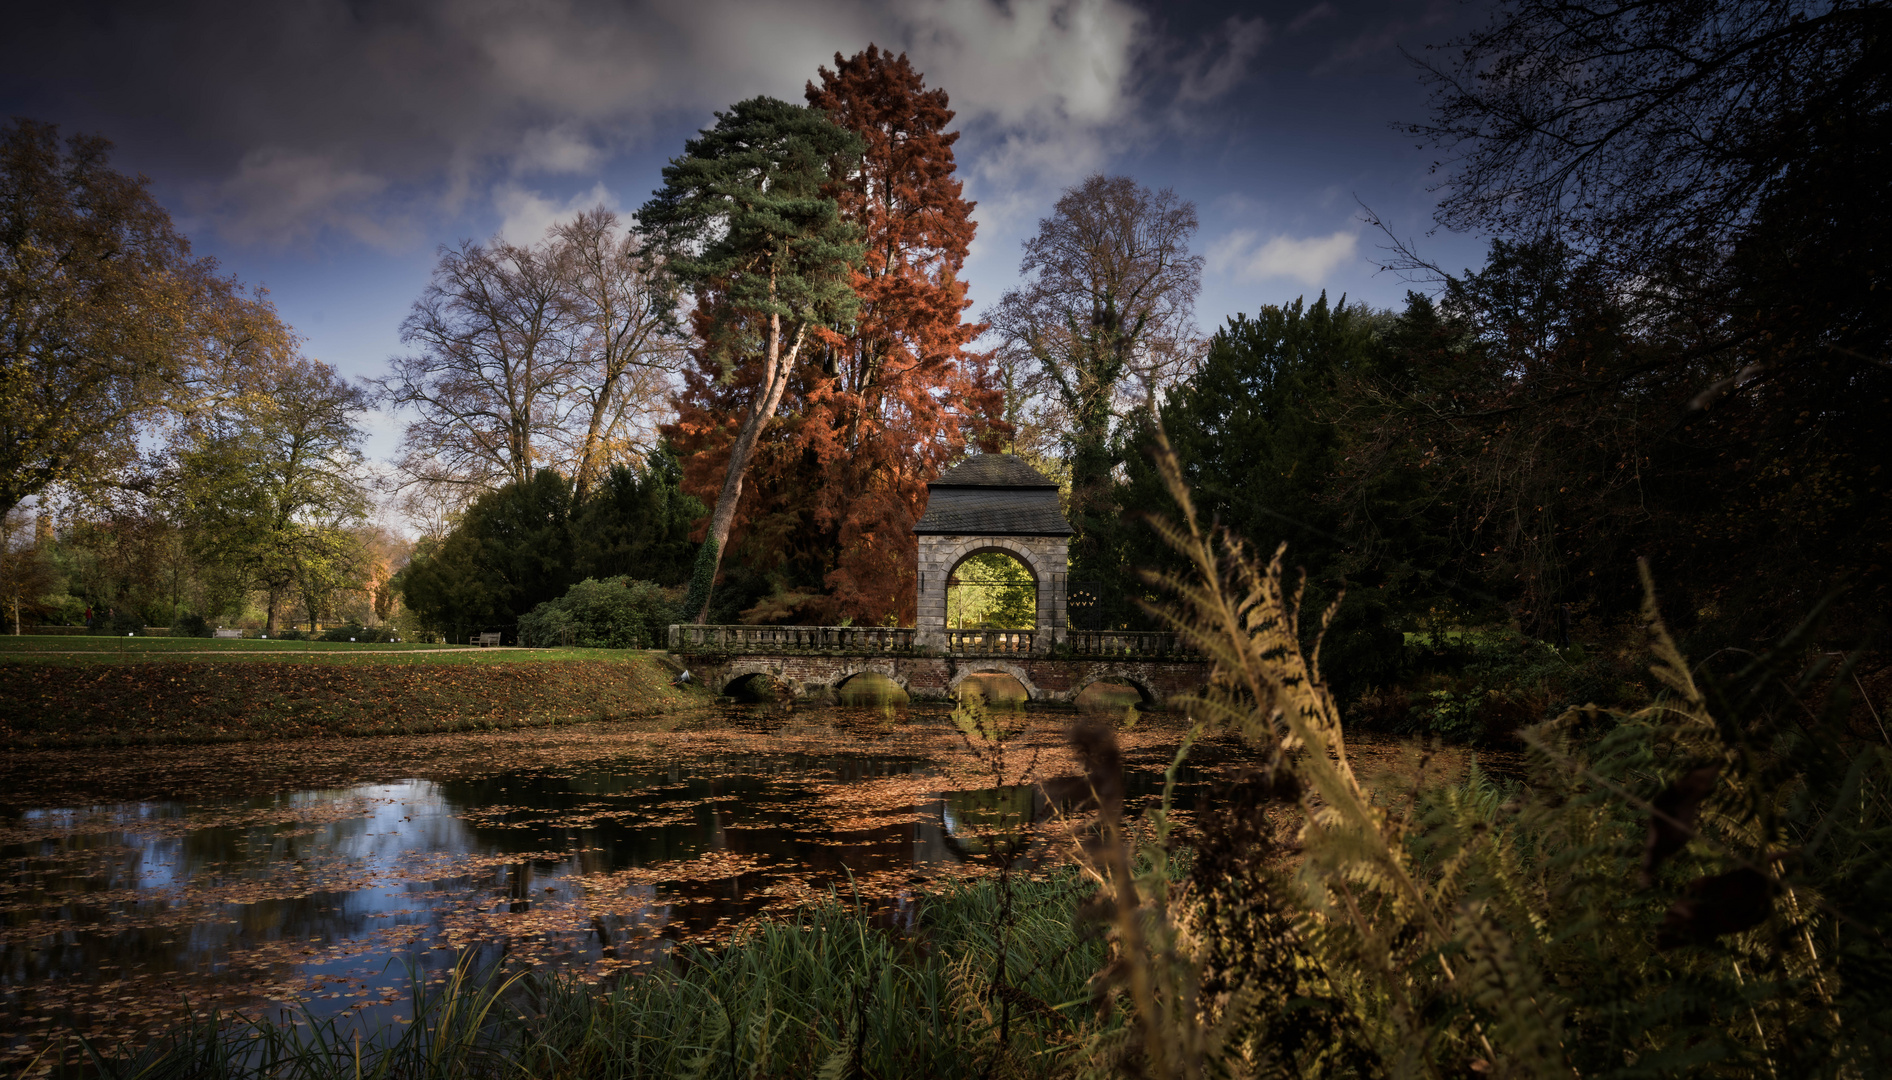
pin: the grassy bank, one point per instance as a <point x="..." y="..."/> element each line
<point x="979" y="988"/>
<point x="162" y="693"/>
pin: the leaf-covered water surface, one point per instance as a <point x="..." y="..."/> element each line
<point x="315" y="874"/>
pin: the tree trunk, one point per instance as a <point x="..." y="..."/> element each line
<point x="587" y="457"/>
<point x="775" y="371"/>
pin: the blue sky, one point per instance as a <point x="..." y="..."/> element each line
<point x="327" y="149"/>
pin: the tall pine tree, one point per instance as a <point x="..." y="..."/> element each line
<point x="746" y="222"/>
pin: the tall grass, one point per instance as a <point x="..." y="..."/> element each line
<point x="1698" y="886"/>
<point x="827" y="993"/>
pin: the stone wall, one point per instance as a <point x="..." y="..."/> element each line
<point x="1047" y="680"/>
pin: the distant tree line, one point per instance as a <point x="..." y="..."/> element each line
<point x="167" y="453"/>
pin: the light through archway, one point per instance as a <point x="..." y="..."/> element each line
<point x="991" y="590"/>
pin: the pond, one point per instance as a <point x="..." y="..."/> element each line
<point x="325" y="875"/>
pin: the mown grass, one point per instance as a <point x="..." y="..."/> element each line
<point x="94" y="650"/>
<point x="153" y="698"/>
<point x="827" y="993"/>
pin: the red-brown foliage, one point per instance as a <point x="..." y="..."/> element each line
<point x="871" y="416"/>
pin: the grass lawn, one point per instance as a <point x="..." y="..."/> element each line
<point x="99" y="691"/>
<point x="93" y="650"/>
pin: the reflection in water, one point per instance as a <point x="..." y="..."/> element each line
<point x="593" y="849"/>
<point x="317" y="874"/>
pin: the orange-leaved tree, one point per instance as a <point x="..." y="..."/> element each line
<point x="881" y="406"/>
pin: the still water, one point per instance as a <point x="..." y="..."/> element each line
<point x="325" y="875"/>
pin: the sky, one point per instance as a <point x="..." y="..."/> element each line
<point x="327" y="149"/>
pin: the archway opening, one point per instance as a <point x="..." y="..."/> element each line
<point x="1109" y="695"/>
<point x="759" y="688"/>
<point x="994" y="689"/>
<point x="870" y="688"/>
<point x="991" y="590"/>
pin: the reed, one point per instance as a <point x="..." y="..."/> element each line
<point x="826" y="993"/>
<point x="1693" y="887"/>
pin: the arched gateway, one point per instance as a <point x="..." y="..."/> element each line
<point x="992" y="502"/>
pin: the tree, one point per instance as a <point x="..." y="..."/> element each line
<point x="1105" y="317"/>
<point x="492" y="334"/>
<point x="105" y="318"/>
<point x="636" y="522"/>
<point x="1254" y="430"/>
<point x="271" y="483"/>
<point x="626" y="343"/>
<point x="1719" y="171"/>
<point x="526" y="544"/>
<point x="534" y="356"/>
<point x="1635" y="131"/>
<point x="840" y="478"/>
<point x="27" y="573"/>
<point x="511" y="551"/>
<point x="745" y="220"/>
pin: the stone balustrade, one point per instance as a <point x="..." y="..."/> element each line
<point x="1123" y="643"/>
<point x="769" y="639"/>
<point x="890" y="640"/>
<point x="990" y="642"/>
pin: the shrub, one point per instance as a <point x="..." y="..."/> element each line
<point x="118" y="625"/>
<point x="191" y="625"/>
<point x="292" y="633"/>
<point x="1484" y="686"/>
<point x="1694" y="886"/>
<point x="612" y="613"/>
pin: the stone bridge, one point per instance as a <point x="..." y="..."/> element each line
<point x="806" y="658"/>
<point x="988" y="503"/>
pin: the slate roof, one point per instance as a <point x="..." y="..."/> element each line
<point x="993" y="470"/>
<point x="993" y="495"/>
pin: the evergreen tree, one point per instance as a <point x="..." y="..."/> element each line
<point x="746" y="221"/>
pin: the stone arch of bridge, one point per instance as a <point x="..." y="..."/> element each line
<point x="872" y="667"/>
<point x="741" y="669"/>
<point x="996" y="667"/>
<point x="1136" y="682"/>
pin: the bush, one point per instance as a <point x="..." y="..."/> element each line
<point x="190" y="625"/>
<point x="1483" y="686"/>
<point x="356" y="632"/>
<point x="118" y="625"/>
<point x="612" y="613"/>
<point x="292" y="634"/>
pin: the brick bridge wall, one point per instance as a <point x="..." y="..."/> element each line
<point x="1050" y="680"/>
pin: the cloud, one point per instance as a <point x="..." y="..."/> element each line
<point x="1207" y="76"/>
<point x="1322" y="10"/>
<point x="280" y="195"/>
<point x="1311" y="259"/>
<point x="526" y="215"/>
<point x="378" y="121"/>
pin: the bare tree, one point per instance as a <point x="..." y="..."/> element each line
<point x="626" y="342"/>
<point x="528" y="357"/>
<point x="493" y="349"/>
<point x="1633" y="130"/>
<point x="1106" y="313"/>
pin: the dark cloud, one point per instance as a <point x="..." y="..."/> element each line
<point x="321" y="145"/>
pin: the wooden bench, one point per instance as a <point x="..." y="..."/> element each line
<point x="484" y="640"/>
<point x="228" y="633"/>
